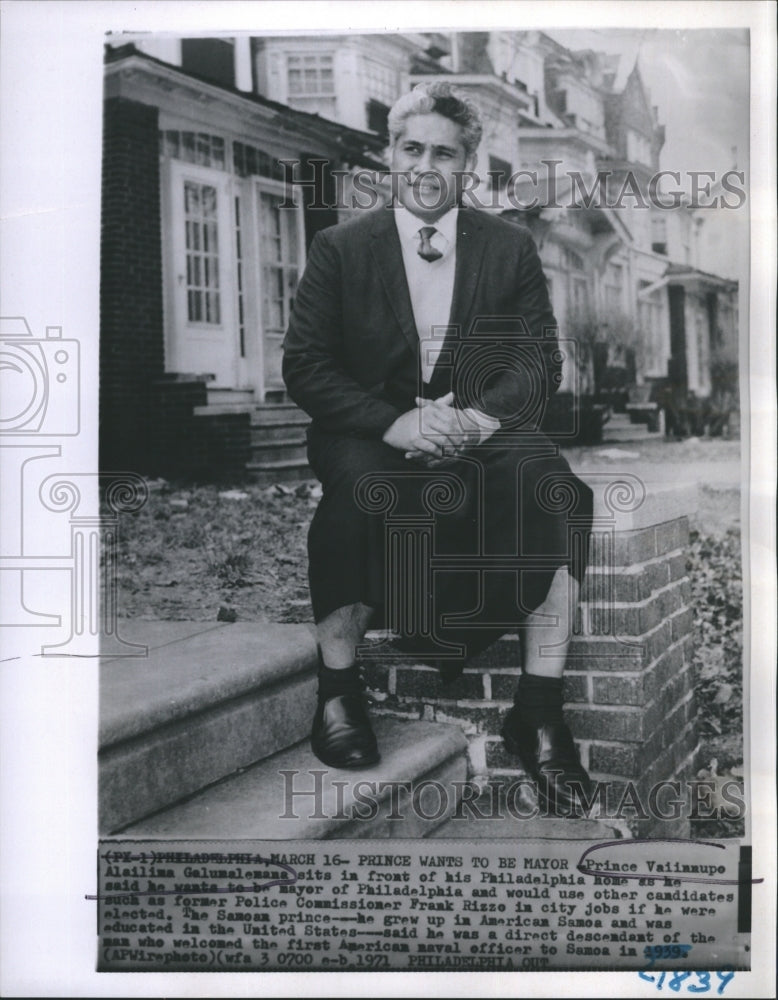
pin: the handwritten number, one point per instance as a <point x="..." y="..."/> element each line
<point x="703" y="978"/>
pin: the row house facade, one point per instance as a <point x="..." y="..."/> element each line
<point x="203" y="241"/>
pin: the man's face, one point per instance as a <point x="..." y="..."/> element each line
<point x="430" y="148"/>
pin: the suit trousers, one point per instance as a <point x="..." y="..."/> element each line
<point x="452" y="557"/>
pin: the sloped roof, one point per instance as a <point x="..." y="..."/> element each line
<point x="351" y="139"/>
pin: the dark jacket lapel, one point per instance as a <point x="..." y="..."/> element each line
<point x="387" y="253"/>
<point x="471" y="246"/>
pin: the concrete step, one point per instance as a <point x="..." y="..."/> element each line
<point x="515" y="826"/>
<point x="283" y="450"/>
<point x="231" y="397"/>
<point x="208" y="699"/>
<point x="259" y="802"/>
<point x="507" y="809"/>
<point x="628" y="432"/>
<point x="267" y="472"/>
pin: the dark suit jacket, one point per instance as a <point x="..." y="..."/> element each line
<point x="351" y="353"/>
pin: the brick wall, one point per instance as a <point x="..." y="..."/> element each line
<point x="629" y="696"/>
<point x="131" y="323"/>
<point x="147" y="418"/>
<point x="192" y="444"/>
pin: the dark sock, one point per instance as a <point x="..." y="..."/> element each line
<point x="539" y="700"/>
<point x="333" y="683"/>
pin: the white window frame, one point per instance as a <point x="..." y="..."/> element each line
<point x="302" y="55"/>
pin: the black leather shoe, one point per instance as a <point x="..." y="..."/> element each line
<point x="549" y="755"/>
<point x="342" y="735"/>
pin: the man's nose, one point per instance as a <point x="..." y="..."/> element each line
<point x="424" y="163"/>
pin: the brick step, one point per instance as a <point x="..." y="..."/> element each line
<point x="267" y="472"/>
<point x="208" y="699"/>
<point x="284" y="450"/>
<point x="257" y="803"/>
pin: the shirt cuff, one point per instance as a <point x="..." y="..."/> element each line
<point x="486" y="425"/>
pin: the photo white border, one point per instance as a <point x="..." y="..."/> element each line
<point x="51" y="92"/>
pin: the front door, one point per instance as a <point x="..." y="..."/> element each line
<point x="202" y="329"/>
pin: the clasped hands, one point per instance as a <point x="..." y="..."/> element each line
<point x="434" y="432"/>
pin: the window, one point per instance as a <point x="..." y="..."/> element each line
<point x="650" y="319"/>
<point x="579" y="294"/>
<point x="249" y="161"/>
<point x="280" y="254"/>
<point x="659" y="234"/>
<point x="378" y="118"/>
<point x="381" y="82"/>
<point x="613" y="286"/>
<point x="193" y="147"/>
<point x="240" y="281"/>
<point x="202" y="253"/>
<point x="310" y="75"/>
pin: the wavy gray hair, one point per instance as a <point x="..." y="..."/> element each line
<point x="444" y="99"/>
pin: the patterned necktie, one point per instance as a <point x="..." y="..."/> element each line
<point x="427" y="251"/>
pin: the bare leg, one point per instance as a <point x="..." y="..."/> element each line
<point x="551" y="625"/>
<point x="340" y="632"/>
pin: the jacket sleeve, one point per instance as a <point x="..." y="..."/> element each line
<point x="518" y="394"/>
<point x="313" y="366"/>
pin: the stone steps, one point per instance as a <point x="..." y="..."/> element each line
<point x="620" y="428"/>
<point x="232" y="398"/>
<point x="207" y="700"/>
<point x="268" y="414"/>
<point x="260" y="802"/>
<point x="283" y="430"/>
<point x="278" y="446"/>
<point x="194" y="736"/>
<point x="287" y="449"/>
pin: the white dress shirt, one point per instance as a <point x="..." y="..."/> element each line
<point x="431" y="288"/>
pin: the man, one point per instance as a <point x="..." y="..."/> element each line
<point x="389" y="396"/>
